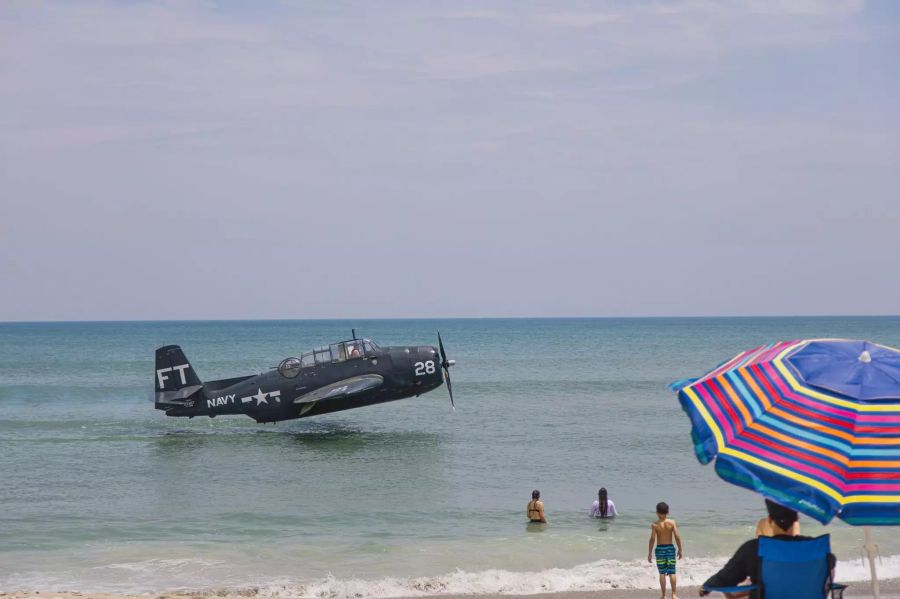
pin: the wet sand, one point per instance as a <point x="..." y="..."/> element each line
<point x="890" y="589"/>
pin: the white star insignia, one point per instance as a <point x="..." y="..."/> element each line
<point x="260" y="397"/>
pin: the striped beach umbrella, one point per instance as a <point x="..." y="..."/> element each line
<point x="812" y="424"/>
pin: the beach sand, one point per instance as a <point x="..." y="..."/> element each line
<point x="890" y="589"/>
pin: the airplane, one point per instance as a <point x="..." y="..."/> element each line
<point x="339" y="376"/>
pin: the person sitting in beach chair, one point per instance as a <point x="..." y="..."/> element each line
<point x="765" y="528"/>
<point x="782" y="566"/>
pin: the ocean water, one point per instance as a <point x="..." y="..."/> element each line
<point x="100" y="492"/>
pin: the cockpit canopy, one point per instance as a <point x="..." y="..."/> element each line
<point x="339" y="352"/>
<point x="352" y="349"/>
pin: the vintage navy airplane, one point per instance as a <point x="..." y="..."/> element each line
<point x="340" y="376"/>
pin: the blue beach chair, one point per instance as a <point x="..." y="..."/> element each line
<point x="792" y="570"/>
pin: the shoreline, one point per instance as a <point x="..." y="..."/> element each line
<point x="890" y="589"/>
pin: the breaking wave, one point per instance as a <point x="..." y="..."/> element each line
<point x="595" y="576"/>
<point x="157" y="575"/>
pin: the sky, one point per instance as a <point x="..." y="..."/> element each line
<point x="222" y="159"/>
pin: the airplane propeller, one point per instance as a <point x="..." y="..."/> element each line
<point x="446" y="364"/>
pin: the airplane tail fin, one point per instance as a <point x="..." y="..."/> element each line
<point x="176" y="381"/>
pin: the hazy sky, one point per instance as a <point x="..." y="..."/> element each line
<point x="181" y="159"/>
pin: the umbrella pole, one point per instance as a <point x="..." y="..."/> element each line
<point x="871" y="551"/>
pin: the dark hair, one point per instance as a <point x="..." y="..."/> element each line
<point x="604" y="502"/>
<point x="782" y="516"/>
<point x="535" y="494"/>
<point x="662" y="507"/>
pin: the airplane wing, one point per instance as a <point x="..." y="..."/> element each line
<point x="344" y="388"/>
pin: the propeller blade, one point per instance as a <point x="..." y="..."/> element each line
<point x="446" y="364"/>
<point x="449" y="388"/>
<point x="443" y="353"/>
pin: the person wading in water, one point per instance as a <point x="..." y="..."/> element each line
<point x="604" y="506"/>
<point x="535" y="508"/>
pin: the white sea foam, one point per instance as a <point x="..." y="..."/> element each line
<point x="213" y="575"/>
<point x="171" y="565"/>
<point x="595" y="576"/>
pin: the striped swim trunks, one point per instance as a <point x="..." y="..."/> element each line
<point x="665" y="559"/>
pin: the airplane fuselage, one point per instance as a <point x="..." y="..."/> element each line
<point x="375" y="376"/>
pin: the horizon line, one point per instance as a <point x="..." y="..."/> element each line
<point x="423" y="318"/>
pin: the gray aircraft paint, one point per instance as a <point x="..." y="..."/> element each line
<point x="346" y="380"/>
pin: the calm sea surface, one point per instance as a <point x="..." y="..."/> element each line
<point x="99" y="491"/>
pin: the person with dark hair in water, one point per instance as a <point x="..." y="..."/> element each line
<point x="535" y="508"/>
<point x="604" y="506"/>
<point x="745" y="562"/>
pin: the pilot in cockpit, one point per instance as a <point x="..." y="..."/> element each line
<point x="353" y="351"/>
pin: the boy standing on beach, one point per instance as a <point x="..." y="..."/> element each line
<point x="661" y="533"/>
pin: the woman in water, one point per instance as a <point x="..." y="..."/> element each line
<point x="604" y="506"/>
<point x="535" y="508"/>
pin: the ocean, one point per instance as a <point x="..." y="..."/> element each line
<point x="100" y="492"/>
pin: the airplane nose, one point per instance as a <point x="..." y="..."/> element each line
<point x="436" y="355"/>
<point x="429" y="358"/>
<point x="426" y="352"/>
